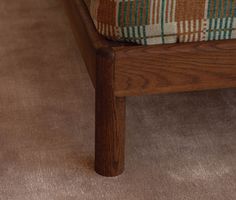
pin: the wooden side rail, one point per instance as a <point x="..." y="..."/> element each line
<point x="175" y="67"/>
<point x="86" y="35"/>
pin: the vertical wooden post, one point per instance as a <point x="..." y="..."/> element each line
<point x="110" y="119"/>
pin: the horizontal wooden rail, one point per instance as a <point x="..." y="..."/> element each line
<point x="175" y="68"/>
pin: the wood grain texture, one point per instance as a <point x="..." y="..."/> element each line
<point x="87" y="37"/>
<point x="175" y="68"/>
<point x="118" y="70"/>
<point x="110" y="110"/>
<point x="110" y="119"/>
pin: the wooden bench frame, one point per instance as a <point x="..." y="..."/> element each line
<point x="118" y="70"/>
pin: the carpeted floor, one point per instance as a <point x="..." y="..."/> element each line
<point x="179" y="146"/>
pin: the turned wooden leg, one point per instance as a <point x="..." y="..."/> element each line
<point x="110" y="120"/>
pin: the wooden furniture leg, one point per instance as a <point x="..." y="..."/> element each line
<point x="110" y="119"/>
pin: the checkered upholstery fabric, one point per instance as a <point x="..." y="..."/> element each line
<point x="150" y="22"/>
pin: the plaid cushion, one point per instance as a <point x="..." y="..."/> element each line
<point x="164" y="21"/>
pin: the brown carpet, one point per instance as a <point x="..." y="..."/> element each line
<point x="179" y="146"/>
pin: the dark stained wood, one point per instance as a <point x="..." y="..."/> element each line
<point x="175" y="68"/>
<point x="89" y="41"/>
<point x="110" y="110"/>
<point x="118" y="70"/>
<point x="110" y="119"/>
<point x="86" y="35"/>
